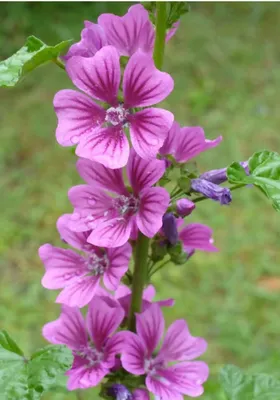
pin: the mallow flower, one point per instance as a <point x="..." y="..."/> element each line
<point x="80" y="275"/>
<point x="99" y="130"/>
<point x="120" y="392"/>
<point x="114" y="212"/>
<point x="92" y="340"/>
<point x="170" y="371"/>
<point x="129" y="33"/>
<point x="187" y="142"/>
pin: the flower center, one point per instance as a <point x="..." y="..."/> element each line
<point x="97" y="265"/>
<point x="126" y="205"/>
<point x="116" y="115"/>
<point x="90" y="355"/>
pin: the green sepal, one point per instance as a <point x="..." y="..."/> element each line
<point x="33" y="54"/>
<point x="159" y="250"/>
<point x="177" y="254"/>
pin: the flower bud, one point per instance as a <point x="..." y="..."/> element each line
<point x="218" y="176"/>
<point x="169" y="227"/>
<point x="184" y="207"/>
<point x="212" y="191"/>
<point x="119" y="392"/>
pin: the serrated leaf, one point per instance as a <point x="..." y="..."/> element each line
<point x="238" y="385"/>
<point x="264" y="167"/>
<point x="33" y="54"/>
<point x="46" y="365"/>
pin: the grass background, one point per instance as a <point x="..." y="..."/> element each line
<point x="225" y="62"/>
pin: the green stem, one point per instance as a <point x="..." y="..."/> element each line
<point x="58" y="62"/>
<point x="160" y="34"/>
<point x="139" y="279"/>
<point x="234" y="187"/>
<point x="140" y="274"/>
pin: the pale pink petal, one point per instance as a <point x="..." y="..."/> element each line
<point x="154" y="203"/>
<point x="172" y="140"/>
<point x="103" y="320"/>
<point x="85" y="377"/>
<point x="92" y="39"/>
<point x="95" y="174"/>
<point x="113" y="233"/>
<point x="187" y="377"/>
<point x="80" y="292"/>
<point x="108" y="146"/>
<point x="77" y="240"/>
<point x="163" y="390"/>
<point x="77" y="115"/>
<point x="143" y="84"/>
<point x="119" y="260"/>
<point x="192" y="142"/>
<point x="98" y="76"/>
<point x="68" y="329"/>
<point x="130" y="32"/>
<point x="150" y="327"/>
<point x="166" y="303"/>
<point x="133" y="354"/>
<point x="172" y="31"/>
<point x="113" y="346"/>
<point x="122" y="291"/>
<point x="141" y="394"/>
<point x="197" y="236"/>
<point x="62" y="266"/>
<point x="143" y="173"/>
<point x="179" y="344"/>
<point x="149" y="293"/>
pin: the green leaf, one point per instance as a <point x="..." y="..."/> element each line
<point x="175" y="10"/>
<point x="238" y="385"/>
<point x="264" y="168"/>
<point x="33" y="54"/>
<point x="9" y="344"/>
<point x="46" y="365"/>
<point x="177" y="254"/>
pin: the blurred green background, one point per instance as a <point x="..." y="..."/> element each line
<point x="225" y="60"/>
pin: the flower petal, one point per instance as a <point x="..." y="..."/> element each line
<point x="85" y="377"/>
<point x="92" y="39"/>
<point x="154" y="203"/>
<point x="150" y="327"/>
<point x="108" y="146"/>
<point x="187" y="377"/>
<point x="78" y="116"/>
<point x="102" y="320"/>
<point x="62" y="266"/>
<point x="149" y="293"/>
<point x="133" y="354"/>
<point x="80" y="292"/>
<point x="113" y="233"/>
<point x="172" y="140"/>
<point x="130" y="32"/>
<point x="77" y="240"/>
<point x="68" y="329"/>
<point x="122" y="291"/>
<point x="97" y="76"/>
<point x="143" y="84"/>
<point x="143" y="173"/>
<point x="119" y="260"/>
<point x="192" y="142"/>
<point x="141" y="394"/>
<point x="179" y="344"/>
<point x="162" y="390"/>
<point x="197" y="236"/>
<point x="113" y="346"/>
<point x="172" y="31"/>
<point x="95" y="174"/>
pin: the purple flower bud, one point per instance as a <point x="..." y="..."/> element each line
<point x="119" y="392"/>
<point x="218" y="176"/>
<point x="169" y="227"/>
<point x="184" y="207"/>
<point x="212" y="191"/>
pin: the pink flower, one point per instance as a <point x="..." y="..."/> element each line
<point x="113" y="220"/>
<point x="127" y="34"/>
<point x="165" y="380"/>
<point x="99" y="132"/>
<point x="80" y="275"/>
<point x="123" y="296"/>
<point x="187" y="142"/>
<point x="93" y="355"/>
<point x="120" y="392"/>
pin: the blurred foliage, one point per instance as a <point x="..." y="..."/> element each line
<point x="225" y="62"/>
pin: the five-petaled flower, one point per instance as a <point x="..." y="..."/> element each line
<point x="80" y="275"/>
<point x="113" y="219"/>
<point x="92" y="340"/>
<point x="100" y="131"/>
<point x="170" y="372"/>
